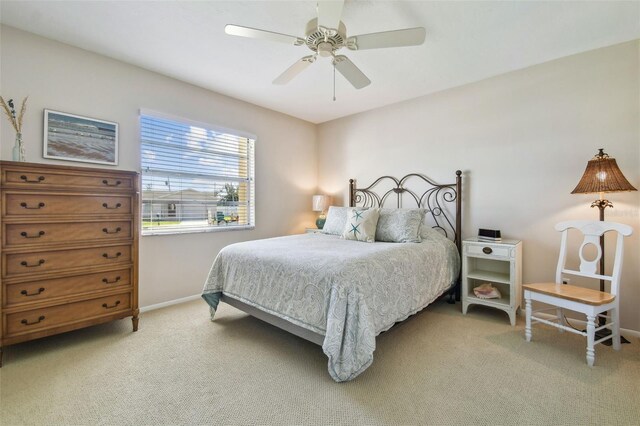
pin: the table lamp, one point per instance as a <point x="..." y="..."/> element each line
<point x="602" y="175"/>
<point x="320" y="204"/>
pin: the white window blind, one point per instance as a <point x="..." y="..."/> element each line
<point x="195" y="178"/>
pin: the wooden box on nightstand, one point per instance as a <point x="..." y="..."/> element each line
<point x="496" y="263"/>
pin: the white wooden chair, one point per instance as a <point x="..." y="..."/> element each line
<point x="592" y="303"/>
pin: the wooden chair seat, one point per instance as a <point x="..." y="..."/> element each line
<point x="593" y="304"/>
<point x="571" y="292"/>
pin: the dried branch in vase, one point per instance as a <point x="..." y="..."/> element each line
<point x="16" y="121"/>
<point x="10" y="111"/>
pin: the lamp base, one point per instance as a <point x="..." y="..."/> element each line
<point x="320" y="222"/>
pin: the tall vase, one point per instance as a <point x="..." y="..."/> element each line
<point x="18" y="149"/>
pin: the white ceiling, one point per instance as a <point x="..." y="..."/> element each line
<point x="466" y="42"/>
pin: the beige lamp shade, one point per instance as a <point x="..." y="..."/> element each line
<point x="602" y="175"/>
<point x="320" y="203"/>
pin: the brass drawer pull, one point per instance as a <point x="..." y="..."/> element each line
<point x="106" y="280"/>
<point x="106" y="206"/>
<point x="26" y="264"/>
<point x="106" y="231"/>
<point x="106" y="182"/>
<point x="26" y="293"/>
<point x="40" y="234"/>
<point x="487" y="250"/>
<point x="106" y="256"/>
<point x="104" y="305"/>
<point x="40" y="319"/>
<point x="25" y="206"/>
<point x="26" y="179"/>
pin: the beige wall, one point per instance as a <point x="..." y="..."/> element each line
<point x="523" y="140"/>
<point x="64" y="78"/>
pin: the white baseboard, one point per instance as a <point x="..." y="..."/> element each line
<point x="170" y="302"/>
<point x="583" y="323"/>
<point x="198" y="296"/>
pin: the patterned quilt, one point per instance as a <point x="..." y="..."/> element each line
<point x="348" y="291"/>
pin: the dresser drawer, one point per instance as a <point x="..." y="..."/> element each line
<point x="23" y="177"/>
<point x="37" y="319"/>
<point x="16" y="264"/>
<point x="36" y="291"/>
<point x="23" y="234"/>
<point x="33" y="204"/>
<point x="488" y="250"/>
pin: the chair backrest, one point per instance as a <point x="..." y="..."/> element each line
<point x="592" y="230"/>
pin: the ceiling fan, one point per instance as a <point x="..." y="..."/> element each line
<point x="325" y="35"/>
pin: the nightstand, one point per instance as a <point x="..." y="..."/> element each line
<point x="497" y="263"/>
<point x="313" y="231"/>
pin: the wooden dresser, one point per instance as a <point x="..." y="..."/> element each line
<point x="69" y="249"/>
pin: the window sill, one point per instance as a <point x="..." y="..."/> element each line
<point x="149" y="233"/>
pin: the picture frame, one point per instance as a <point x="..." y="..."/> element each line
<point x="73" y="137"/>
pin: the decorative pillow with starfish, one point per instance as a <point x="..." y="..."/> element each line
<point x="361" y="224"/>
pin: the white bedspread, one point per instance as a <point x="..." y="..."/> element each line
<point x="349" y="291"/>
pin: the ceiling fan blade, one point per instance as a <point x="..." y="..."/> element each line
<point x="237" y="30"/>
<point x="351" y="72"/>
<point x="397" y="38"/>
<point x="329" y="13"/>
<point x="294" y="70"/>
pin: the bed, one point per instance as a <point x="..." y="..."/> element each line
<point x="341" y="293"/>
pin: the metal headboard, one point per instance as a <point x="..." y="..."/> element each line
<point x="435" y="198"/>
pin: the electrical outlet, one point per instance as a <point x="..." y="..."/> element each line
<point x="566" y="280"/>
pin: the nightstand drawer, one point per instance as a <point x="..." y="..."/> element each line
<point x="490" y="250"/>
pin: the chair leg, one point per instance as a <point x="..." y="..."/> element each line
<point x="615" y="330"/>
<point x="527" y="327"/>
<point x="591" y="331"/>
<point x="560" y="316"/>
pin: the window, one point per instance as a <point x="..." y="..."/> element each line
<point x="195" y="177"/>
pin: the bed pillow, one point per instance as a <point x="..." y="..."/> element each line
<point x="361" y="224"/>
<point x="426" y="230"/>
<point x="400" y="225"/>
<point x="336" y="218"/>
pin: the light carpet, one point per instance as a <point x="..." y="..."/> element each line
<point x="437" y="368"/>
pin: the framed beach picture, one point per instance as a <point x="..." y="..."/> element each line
<point x="75" y="138"/>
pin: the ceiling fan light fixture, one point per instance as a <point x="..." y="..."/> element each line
<point x="325" y="49"/>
